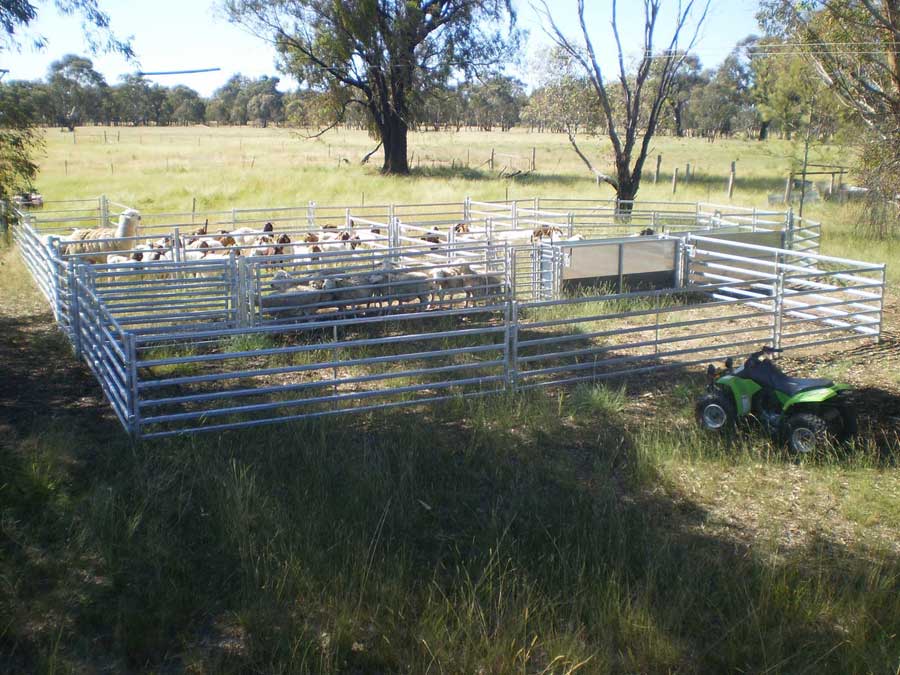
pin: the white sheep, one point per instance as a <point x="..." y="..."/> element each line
<point x="248" y="235"/>
<point x="299" y="301"/>
<point x="350" y="292"/>
<point x="451" y="280"/>
<point x="408" y="286"/>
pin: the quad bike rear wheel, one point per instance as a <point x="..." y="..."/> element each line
<point x="805" y="433"/>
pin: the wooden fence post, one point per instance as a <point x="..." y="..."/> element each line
<point x="492" y="159"/>
<point x="788" y="186"/>
<point x="656" y="174"/>
<point x="687" y="173"/>
<point x="533" y="154"/>
<point x="675" y="180"/>
<point x="731" y="178"/>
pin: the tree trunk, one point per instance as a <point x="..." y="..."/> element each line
<point x="763" y="131"/>
<point x="393" y="135"/>
<point x="679" y="128"/>
<point x="625" y="193"/>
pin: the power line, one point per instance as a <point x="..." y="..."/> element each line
<point x="178" y="72"/>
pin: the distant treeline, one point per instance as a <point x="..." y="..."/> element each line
<point x="746" y="95"/>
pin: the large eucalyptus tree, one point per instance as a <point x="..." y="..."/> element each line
<point x="383" y="55"/>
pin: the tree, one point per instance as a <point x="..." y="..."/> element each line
<point x="564" y="102"/>
<point x="186" y="105"/>
<point x="496" y="101"/>
<point x="631" y="135"/>
<point x="685" y="85"/>
<point x="19" y="137"/>
<point x="75" y="89"/>
<point x="382" y="55"/>
<point x="17" y="15"/>
<point x="724" y="105"/>
<point x="265" y="103"/>
<point x="854" y="46"/>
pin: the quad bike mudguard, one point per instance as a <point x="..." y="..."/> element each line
<point x="811" y="397"/>
<point x="742" y="389"/>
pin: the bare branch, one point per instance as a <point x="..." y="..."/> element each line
<point x="365" y="160"/>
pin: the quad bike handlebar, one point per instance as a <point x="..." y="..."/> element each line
<point x="764" y="351"/>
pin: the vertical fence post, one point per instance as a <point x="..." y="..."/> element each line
<point x="242" y="292"/>
<point x="234" y="288"/>
<point x="789" y="229"/>
<point x="621" y="271"/>
<point x="881" y="305"/>
<point x="512" y="356"/>
<point x="53" y="270"/>
<point x="731" y="179"/>
<point x="679" y="263"/>
<point x="104" y="211"/>
<point x="311" y="214"/>
<point x="658" y="301"/>
<point x="656" y="173"/>
<point x="779" y="303"/>
<point x="133" y="414"/>
<point x="675" y="180"/>
<point x="74" y="307"/>
<point x="176" y="245"/>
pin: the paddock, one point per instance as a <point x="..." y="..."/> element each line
<point x="435" y="301"/>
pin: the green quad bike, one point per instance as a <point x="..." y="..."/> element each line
<point x="805" y="413"/>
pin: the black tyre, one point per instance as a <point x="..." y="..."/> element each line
<point x="841" y="420"/>
<point x="849" y="426"/>
<point x="716" y="412"/>
<point x="805" y="433"/>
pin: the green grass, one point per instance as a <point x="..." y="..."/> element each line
<point x="592" y="529"/>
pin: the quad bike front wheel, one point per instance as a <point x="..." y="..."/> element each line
<point x="716" y="412"/>
<point x="805" y="433"/>
<point x="841" y="420"/>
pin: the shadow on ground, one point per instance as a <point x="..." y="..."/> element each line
<point x="529" y="532"/>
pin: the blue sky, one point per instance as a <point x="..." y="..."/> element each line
<point x="173" y="34"/>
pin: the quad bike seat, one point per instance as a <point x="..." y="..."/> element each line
<point x="766" y="374"/>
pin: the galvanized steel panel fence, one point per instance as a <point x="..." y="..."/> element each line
<point x="182" y="345"/>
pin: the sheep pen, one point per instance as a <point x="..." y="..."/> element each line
<point x="261" y="315"/>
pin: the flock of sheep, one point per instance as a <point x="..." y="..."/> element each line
<point x="389" y="287"/>
<point x="344" y="288"/>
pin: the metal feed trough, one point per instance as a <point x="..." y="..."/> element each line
<point x="432" y="301"/>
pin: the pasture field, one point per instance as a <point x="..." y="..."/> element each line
<point x="587" y="530"/>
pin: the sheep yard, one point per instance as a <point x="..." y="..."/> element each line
<point x="503" y="475"/>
